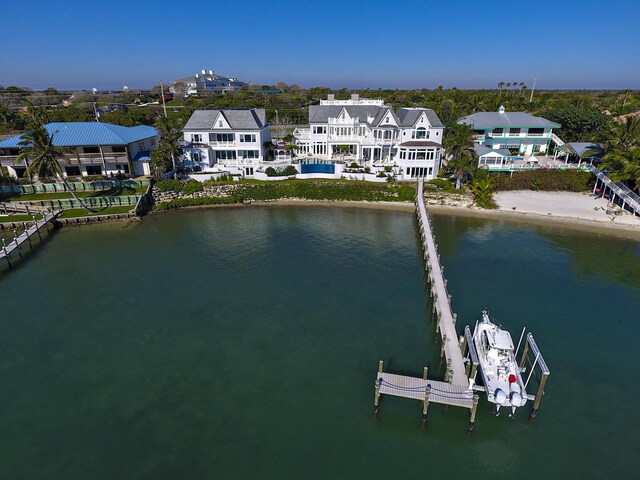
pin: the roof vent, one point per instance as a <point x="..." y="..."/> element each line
<point x="501" y="109"/>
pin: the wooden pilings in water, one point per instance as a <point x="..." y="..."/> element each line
<point x="474" y="409"/>
<point x="376" y="399"/>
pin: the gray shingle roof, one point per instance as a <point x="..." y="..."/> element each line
<point x="489" y="120"/>
<point x="321" y="113"/>
<point x="483" y="150"/>
<point x="405" y="117"/>
<point x="409" y="116"/>
<point x="249" y="119"/>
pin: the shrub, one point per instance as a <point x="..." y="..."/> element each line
<point x="442" y="184"/>
<point x="8" y="180"/>
<point x="169" y="185"/>
<point x="191" y="187"/>
<point x="367" y="169"/>
<point x="354" y="165"/>
<point x="544" y="180"/>
<point x="289" y="170"/>
<point x="194" y="202"/>
<point x="388" y="169"/>
<point x="281" y="172"/>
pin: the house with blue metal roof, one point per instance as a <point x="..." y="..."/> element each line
<point x="519" y="132"/>
<point x="89" y="148"/>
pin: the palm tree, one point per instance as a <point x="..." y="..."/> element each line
<point x="170" y="136"/>
<point x="458" y="145"/>
<point x="482" y="190"/>
<point x="500" y="85"/>
<point x="37" y="145"/>
<point x="623" y="166"/>
<point x="620" y="135"/>
<point x="522" y="87"/>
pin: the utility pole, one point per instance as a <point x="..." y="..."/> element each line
<point x="164" y="105"/>
<point x="533" y="87"/>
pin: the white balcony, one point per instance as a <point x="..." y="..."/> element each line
<point x="222" y="144"/>
<point x="344" y="121"/>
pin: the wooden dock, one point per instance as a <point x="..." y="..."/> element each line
<point x="458" y="388"/>
<point x="416" y="388"/>
<point x="445" y="318"/>
<point x="15" y="245"/>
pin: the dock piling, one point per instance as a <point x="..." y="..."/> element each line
<point x="539" y="394"/>
<point x="474" y="409"/>
<point x="376" y="399"/>
<point x="425" y="404"/>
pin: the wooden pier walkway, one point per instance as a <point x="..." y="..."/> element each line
<point x="415" y="388"/>
<point x="16" y="244"/>
<point x="441" y="299"/>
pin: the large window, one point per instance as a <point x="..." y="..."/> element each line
<point x="221" y="137"/>
<point x="514" y="131"/>
<point x="93" y="170"/>
<point x="196" y="138"/>
<point x="250" y="153"/>
<point x="497" y="132"/>
<point x="420" y="133"/>
<point x="247" y="138"/>
<point x="119" y="149"/>
<point x="91" y="149"/>
<point x="536" y="132"/>
<point x="319" y="130"/>
<point x="226" y="155"/>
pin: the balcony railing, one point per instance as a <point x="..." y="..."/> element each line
<point x="344" y="121"/>
<point x="223" y="144"/>
<point x="71" y="159"/>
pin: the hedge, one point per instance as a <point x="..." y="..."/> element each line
<point x="329" y="191"/>
<point x="194" y="202"/>
<point x="545" y="180"/>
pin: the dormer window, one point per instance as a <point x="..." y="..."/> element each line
<point x="220" y="124"/>
<point x="387" y="120"/>
<point x="420" y="133"/>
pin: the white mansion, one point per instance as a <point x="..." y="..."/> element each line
<point x="370" y="132"/>
<point x="233" y="139"/>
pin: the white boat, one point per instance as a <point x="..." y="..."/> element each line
<point x="500" y="372"/>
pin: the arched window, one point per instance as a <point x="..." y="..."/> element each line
<point x="419" y="133"/>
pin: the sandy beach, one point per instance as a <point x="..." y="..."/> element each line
<point x="578" y="211"/>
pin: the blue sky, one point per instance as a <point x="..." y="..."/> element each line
<point x="375" y="44"/>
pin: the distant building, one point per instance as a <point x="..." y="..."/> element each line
<point x="207" y="82"/>
<point x="368" y="131"/>
<point x="90" y="148"/>
<point x="230" y="139"/>
<point x="518" y="132"/>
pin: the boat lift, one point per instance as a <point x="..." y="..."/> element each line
<point x="531" y="359"/>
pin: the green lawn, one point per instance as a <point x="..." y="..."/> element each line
<point x="81" y="212"/>
<point x="112" y="192"/>
<point x="18" y="218"/>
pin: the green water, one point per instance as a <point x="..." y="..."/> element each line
<point x="243" y="343"/>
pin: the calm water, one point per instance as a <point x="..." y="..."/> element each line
<point x="243" y="343"/>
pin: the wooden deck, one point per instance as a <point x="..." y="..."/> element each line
<point x="441" y="301"/>
<point x="414" y="388"/>
<point x="8" y="248"/>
